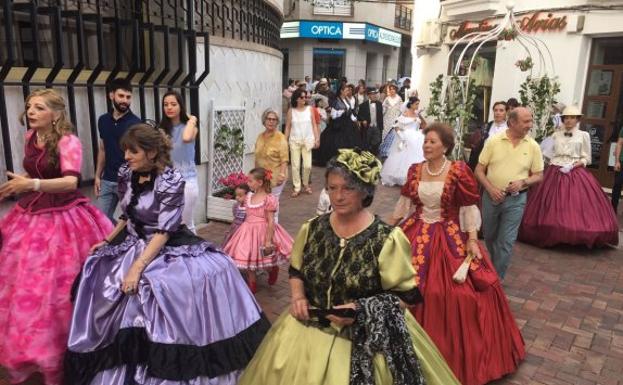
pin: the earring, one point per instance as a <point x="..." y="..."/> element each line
<point x="54" y="123"/>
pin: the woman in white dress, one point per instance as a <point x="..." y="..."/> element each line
<point x="406" y="148"/>
<point x="391" y="111"/>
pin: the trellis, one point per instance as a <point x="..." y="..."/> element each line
<point x="222" y="162"/>
<point x="507" y="28"/>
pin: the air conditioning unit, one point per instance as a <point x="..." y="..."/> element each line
<point x="430" y="35"/>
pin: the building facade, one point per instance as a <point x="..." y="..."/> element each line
<point x="585" y="38"/>
<point x="343" y="38"/>
<point x="204" y="49"/>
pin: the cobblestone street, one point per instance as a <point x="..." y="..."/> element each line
<point x="568" y="302"/>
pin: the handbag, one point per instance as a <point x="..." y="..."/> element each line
<point x="482" y="277"/>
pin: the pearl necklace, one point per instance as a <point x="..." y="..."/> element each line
<point x="443" y="166"/>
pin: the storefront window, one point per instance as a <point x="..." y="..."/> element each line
<point x="603" y="105"/>
<point x="329" y="63"/>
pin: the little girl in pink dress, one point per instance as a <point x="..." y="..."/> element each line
<point x="260" y="243"/>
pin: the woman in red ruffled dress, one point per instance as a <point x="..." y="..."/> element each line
<point x="46" y="238"/>
<point x="470" y="322"/>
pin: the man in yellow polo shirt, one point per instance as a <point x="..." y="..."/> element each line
<point x="509" y="164"/>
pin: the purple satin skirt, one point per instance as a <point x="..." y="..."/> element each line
<point x="193" y="321"/>
<point x="569" y="209"/>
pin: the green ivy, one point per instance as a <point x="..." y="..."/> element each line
<point x="457" y="107"/>
<point x="230" y="140"/>
<point x="539" y="94"/>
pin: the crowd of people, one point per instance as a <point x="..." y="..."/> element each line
<point x="91" y="297"/>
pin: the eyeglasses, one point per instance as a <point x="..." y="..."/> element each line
<point x="272" y="119"/>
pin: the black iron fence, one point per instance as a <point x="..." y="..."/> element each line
<point x="154" y="43"/>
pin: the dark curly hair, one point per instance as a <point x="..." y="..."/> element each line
<point x="145" y="137"/>
<point x="296" y="95"/>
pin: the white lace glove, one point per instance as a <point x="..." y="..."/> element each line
<point x="566" y="169"/>
<point x="336" y="113"/>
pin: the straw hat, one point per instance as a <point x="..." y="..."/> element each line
<point x="571" y="111"/>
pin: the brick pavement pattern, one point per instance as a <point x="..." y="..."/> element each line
<point x="568" y="302"/>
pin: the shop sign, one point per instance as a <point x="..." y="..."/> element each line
<point x="321" y="30"/>
<point x="537" y="22"/>
<point x="337" y="31"/>
<point x="383" y="36"/>
<point x="355" y="31"/>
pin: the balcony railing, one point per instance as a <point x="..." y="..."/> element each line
<point x="333" y="7"/>
<point x="403" y="17"/>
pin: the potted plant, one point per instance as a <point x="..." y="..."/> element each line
<point x="539" y="94"/>
<point x="452" y="102"/>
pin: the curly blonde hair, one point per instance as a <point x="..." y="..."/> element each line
<point x="60" y="127"/>
<point x="147" y="138"/>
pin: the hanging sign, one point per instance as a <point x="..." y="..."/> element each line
<point x="537" y="22"/>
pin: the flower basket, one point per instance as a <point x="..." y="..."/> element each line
<point x="220" y="203"/>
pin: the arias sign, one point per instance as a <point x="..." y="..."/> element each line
<point x="537" y="22"/>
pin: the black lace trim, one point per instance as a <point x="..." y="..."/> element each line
<point x="172" y="362"/>
<point x="137" y="190"/>
<point x="410" y="297"/>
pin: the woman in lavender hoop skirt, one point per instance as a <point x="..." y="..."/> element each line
<point x="155" y="304"/>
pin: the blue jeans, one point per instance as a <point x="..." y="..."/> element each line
<point x="108" y="199"/>
<point x="500" y="226"/>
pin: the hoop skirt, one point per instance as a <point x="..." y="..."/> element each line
<point x="46" y="238"/>
<point x="245" y="243"/>
<point x="406" y="149"/>
<point x="471" y="323"/>
<point x="372" y="262"/>
<point x="569" y="209"/>
<point x="193" y="320"/>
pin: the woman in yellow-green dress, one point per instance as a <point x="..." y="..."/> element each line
<point x="337" y="260"/>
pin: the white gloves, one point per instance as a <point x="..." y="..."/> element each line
<point x="566" y="169"/>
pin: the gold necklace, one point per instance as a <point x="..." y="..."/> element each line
<point x="41" y="138"/>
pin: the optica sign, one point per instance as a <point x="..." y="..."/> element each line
<point x="383" y="36"/>
<point x="321" y="30"/>
<point x="338" y="31"/>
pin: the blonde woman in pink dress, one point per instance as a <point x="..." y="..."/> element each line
<point x="260" y="243"/>
<point x="46" y="238"/>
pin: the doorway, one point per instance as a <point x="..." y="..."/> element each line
<point x="603" y="105"/>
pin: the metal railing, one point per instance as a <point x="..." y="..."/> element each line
<point x="85" y="43"/>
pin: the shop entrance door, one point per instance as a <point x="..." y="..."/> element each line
<point x="603" y="106"/>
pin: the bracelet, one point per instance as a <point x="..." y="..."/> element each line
<point x="298" y="299"/>
<point x="472" y="240"/>
<point x="36" y="184"/>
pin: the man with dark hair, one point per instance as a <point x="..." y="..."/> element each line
<point x="370" y="119"/>
<point x="511" y="104"/>
<point x="509" y="164"/>
<point x="111" y="126"/>
<point x="497" y="125"/>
